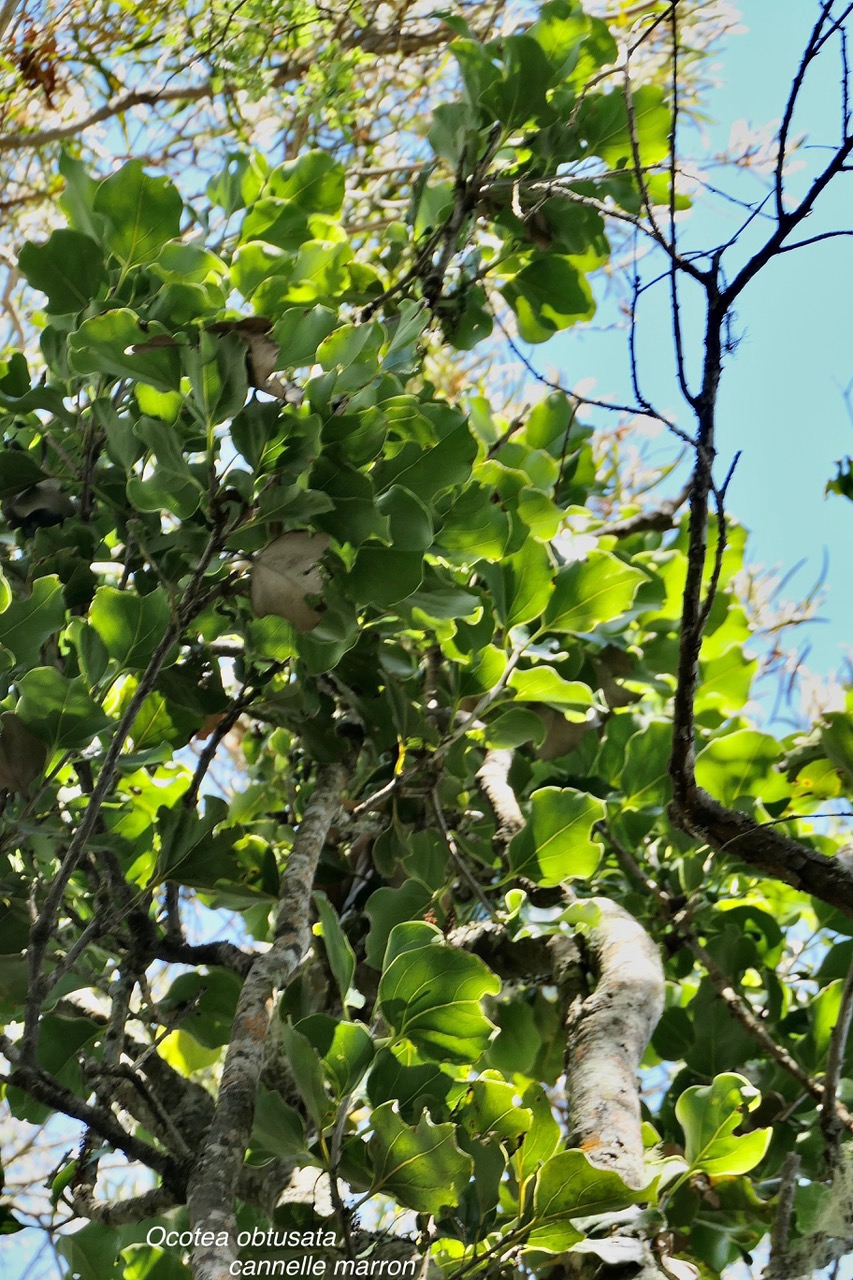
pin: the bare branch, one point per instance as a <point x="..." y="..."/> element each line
<point x="656" y="520"/>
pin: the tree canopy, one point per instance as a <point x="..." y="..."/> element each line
<point x="394" y="879"/>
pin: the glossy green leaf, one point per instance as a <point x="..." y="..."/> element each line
<point x="131" y="626"/>
<point x="345" y="1050"/>
<point x="338" y="949"/>
<point x="278" y="1128"/>
<point x="26" y="624"/>
<point x="58" y="710"/>
<point x="307" y="1069"/>
<point x="592" y="591"/>
<point x="420" y="1166"/>
<point x="710" y="1115"/>
<point x="91" y="1251"/>
<point x="493" y="1110"/>
<point x="548" y="295"/>
<point x="558" y="843"/>
<point x="741" y="764"/>
<point x="142" y="212"/>
<point x="543" y="684"/>
<point x="103" y="345"/>
<point x="431" y="996"/>
<point x="206" y="1003"/>
<point x="387" y="908"/>
<point x="568" y="1186"/>
<point x="68" y="268"/>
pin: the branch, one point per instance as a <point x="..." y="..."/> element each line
<point x="45" y="1088"/>
<point x="764" y="848"/>
<point x="214" y="1180"/>
<point x="493" y="776"/>
<point x="224" y="954"/>
<point x="736" y="1004"/>
<point x="777" y="1266"/>
<point x="45" y="922"/>
<point x="113" y="1213"/>
<point x="383" y="42"/>
<point x="656" y="520"/>
<point x="607" y="1034"/>
<point x="787" y="222"/>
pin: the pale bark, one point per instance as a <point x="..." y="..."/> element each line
<point x="607" y="1034"/>
<point x="216" y="1174"/>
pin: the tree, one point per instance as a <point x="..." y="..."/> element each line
<point x="373" y="844"/>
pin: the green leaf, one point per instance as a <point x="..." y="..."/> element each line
<point x="299" y="332"/>
<point x="387" y="908"/>
<point x="130" y="626"/>
<point x="474" y="526"/>
<point x="68" y="268"/>
<point x="141" y="212"/>
<point x="412" y="1087"/>
<point x="557" y="844"/>
<point x="205" y="1004"/>
<point x="171" y="485"/>
<point x="409" y="522"/>
<point x="492" y="1110"/>
<point x="603" y="124"/>
<point x="589" y="592"/>
<point x="709" y="1116"/>
<point x="522" y="584"/>
<point x="741" y="764"/>
<point x="91" y="1251"/>
<point x="383" y="576"/>
<point x="103" y="345"/>
<point x="543" y="684"/>
<point x="429" y="472"/>
<point x="22" y="756"/>
<point x="308" y="1073"/>
<point x="514" y="727"/>
<point x="58" y="710"/>
<point x="431" y="996"/>
<point x="315" y="181"/>
<point x="549" y="294"/>
<point x="422" y="1167"/>
<point x="645" y="777"/>
<point x="26" y="624"/>
<point x="345" y="1049"/>
<point x="191" y="851"/>
<point x="568" y="1186"/>
<point x="78" y="197"/>
<point x="340" y="954"/>
<point x="278" y="1128"/>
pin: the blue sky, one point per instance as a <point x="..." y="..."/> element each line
<point x="781" y="399"/>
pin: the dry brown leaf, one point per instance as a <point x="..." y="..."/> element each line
<point x="285" y="574"/>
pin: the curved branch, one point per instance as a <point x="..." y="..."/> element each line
<point x="764" y="848"/>
<point x="832" y="1110"/>
<point x="114" y="1213"/>
<point x="607" y="1034"/>
<point x="493" y="776"/>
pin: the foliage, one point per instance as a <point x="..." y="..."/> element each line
<point x="352" y="569"/>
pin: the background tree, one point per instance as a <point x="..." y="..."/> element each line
<point x="502" y="939"/>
